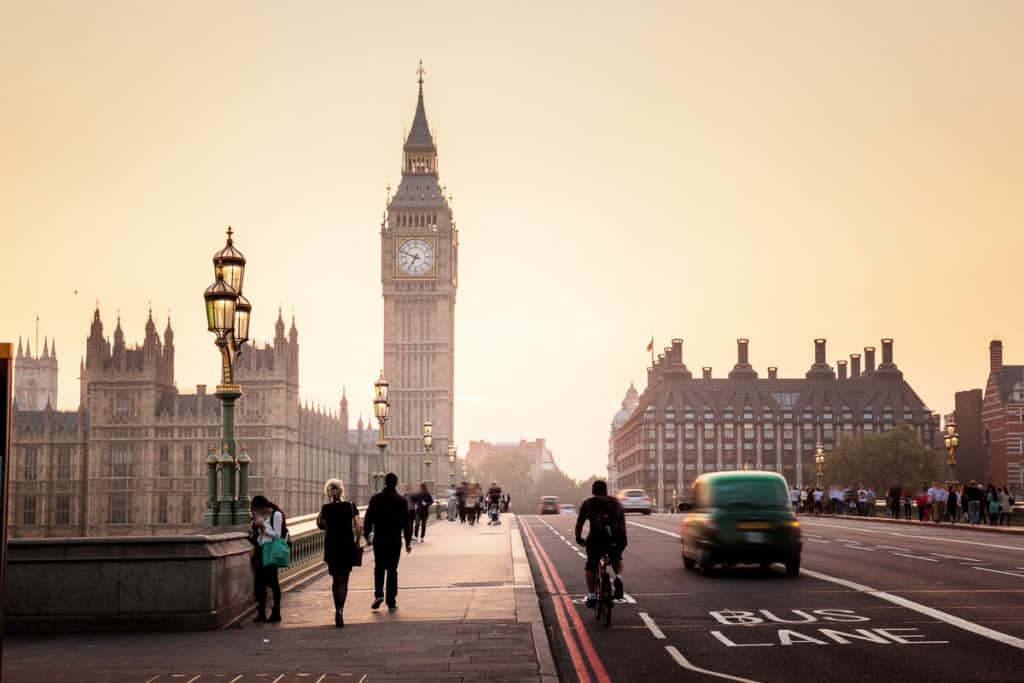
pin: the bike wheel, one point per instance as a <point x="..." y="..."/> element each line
<point x="606" y="618"/>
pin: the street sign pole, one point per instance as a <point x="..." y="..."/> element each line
<point x="6" y="379"/>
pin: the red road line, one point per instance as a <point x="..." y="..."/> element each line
<point x="581" y="631"/>
<point x="574" y="653"/>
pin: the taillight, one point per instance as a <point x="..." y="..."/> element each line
<point x="645" y="498"/>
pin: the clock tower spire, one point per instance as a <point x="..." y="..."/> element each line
<point x="419" y="278"/>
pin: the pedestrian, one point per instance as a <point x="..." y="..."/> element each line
<point x="460" y="497"/>
<point x="835" y="500"/>
<point x="894" y="498"/>
<point x="872" y="501"/>
<point x="387" y="523"/>
<point x="1005" y="506"/>
<point x="862" y="501"/>
<point x="506" y="502"/>
<point x="453" y="505"/>
<point x="794" y="498"/>
<point x="472" y="502"/>
<point x="267" y="524"/>
<point x="424" y="501"/>
<point x="992" y="505"/>
<point x="494" y="504"/>
<point x="952" y="503"/>
<point x="342" y="530"/>
<point x="803" y="500"/>
<point x="818" y="499"/>
<point x="410" y="503"/>
<point x="973" y="496"/>
<point x="922" y="500"/>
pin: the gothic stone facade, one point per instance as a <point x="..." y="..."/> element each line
<point x="682" y="426"/>
<point x="1002" y="420"/>
<point x="132" y="459"/>
<point x="35" y="379"/>
<point x="419" y="277"/>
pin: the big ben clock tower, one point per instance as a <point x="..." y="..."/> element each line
<point x="419" y="266"/>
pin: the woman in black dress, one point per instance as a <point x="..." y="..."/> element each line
<point x="340" y="521"/>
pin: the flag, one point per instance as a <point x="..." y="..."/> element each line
<point x="650" y="345"/>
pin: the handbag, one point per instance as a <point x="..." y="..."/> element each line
<point x="276" y="553"/>
<point x="357" y="550"/>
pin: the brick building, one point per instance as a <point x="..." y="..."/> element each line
<point x="684" y="425"/>
<point x="1002" y="421"/>
<point x="132" y="459"/>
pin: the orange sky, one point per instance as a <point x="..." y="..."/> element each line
<point x="714" y="170"/>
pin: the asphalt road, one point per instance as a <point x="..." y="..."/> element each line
<point x="873" y="602"/>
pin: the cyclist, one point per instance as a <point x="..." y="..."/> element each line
<point x="606" y="536"/>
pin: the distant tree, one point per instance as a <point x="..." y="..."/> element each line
<point x="510" y="470"/>
<point x="894" y="457"/>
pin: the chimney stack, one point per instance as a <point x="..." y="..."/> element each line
<point x="741" y="352"/>
<point x="706" y="372"/>
<point x="773" y="372"/>
<point x="995" y="356"/>
<point x="819" y="352"/>
<point x="887" y="354"/>
<point x="677" y="351"/>
<point x="869" y="359"/>
<point x="841" y="365"/>
<point x="854" y="365"/>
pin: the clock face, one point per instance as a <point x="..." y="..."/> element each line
<point x="416" y="257"/>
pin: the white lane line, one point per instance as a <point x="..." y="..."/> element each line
<point x="817" y="540"/>
<point x="361" y="680"/>
<point x="239" y="676"/>
<point x="1000" y="571"/>
<point x="651" y="626"/>
<point x="893" y="547"/>
<point x="916" y="557"/>
<point x="963" y="624"/>
<point x="859" y="547"/>
<point x="278" y="678"/>
<point x="322" y="677"/>
<point x="920" y="536"/>
<point x="956" y="557"/>
<point x="685" y="663"/>
<point x="845" y="540"/>
<point x="651" y="528"/>
<point x="194" y="678"/>
<point x="153" y="678"/>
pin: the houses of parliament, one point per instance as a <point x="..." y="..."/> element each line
<point x="132" y="459"/>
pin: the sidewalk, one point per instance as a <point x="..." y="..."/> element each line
<point x="1010" y="530"/>
<point x="467" y="611"/>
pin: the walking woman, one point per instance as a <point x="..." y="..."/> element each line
<point x="1005" y="506"/>
<point x="340" y="521"/>
<point x="992" y="505"/>
<point x="267" y="525"/>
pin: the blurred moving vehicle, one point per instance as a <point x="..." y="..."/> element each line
<point x="635" y="500"/>
<point x="567" y="509"/>
<point x="741" y="518"/>
<point x="549" y="505"/>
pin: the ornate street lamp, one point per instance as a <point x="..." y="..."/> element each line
<point x="952" y="442"/>
<point x="451" y="465"/>
<point x="428" y="442"/>
<point x="381" y="409"/>
<point x="819" y="461"/>
<point x="227" y="316"/>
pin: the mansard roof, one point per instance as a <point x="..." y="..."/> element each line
<point x="34" y="421"/>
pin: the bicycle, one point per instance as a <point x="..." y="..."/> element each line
<point x="605" y="601"/>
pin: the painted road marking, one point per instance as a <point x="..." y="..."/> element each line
<point x="955" y="557"/>
<point x="916" y="557"/>
<point x="651" y="528"/>
<point x="920" y="536"/>
<point x="651" y="626"/>
<point x="685" y="663"/>
<point x="1000" y="571"/>
<point x="859" y="547"/>
<point x="233" y="680"/>
<point x="963" y="624"/>
<point x="893" y="547"/>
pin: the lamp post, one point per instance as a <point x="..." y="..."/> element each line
<point x="952" y="442"/>
<point x="428" y="442"/>
<point x="451" y="465"/>
<point x="381" y="408"/>
<point x="819" y="461"/>
<point x="227" y="316"/>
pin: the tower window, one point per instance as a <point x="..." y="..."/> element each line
<point x="119" y="511"/>
<point x="62" y="510"/>
<point x="31" y="464"/>
<point x="28" y="510"/>
<point x="64" y="464"/>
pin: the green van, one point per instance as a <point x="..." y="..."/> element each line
<point x="741" y="517"/>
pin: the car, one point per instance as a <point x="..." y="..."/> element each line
<point x="549" y="505"/>
<point x="635" y="500"/>
<point x="741" y="517"/>
<point x="567" y="509"/>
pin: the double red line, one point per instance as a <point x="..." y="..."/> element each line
<point x="576" y="638"/>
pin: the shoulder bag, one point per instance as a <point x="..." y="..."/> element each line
<point x="357" y="549"/>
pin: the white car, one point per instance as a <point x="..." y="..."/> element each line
<point x="567" y="509"/>
<point x="635" y="500"/>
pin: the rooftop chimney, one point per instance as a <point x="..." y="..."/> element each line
<point x="995" y="356"/>
<point x="742" y="368"/>
<point x="821" y="368"/>
<point x="677" y="351"/>
<point x="706" y="372"/>
<point x="854" y="365"/>
<point x="886" y="353"/>
<point x="841" y="365"/>
<point x="773" y="372"/>
<point x="869" y="359"/>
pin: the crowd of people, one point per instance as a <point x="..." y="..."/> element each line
<point x="936" y="502"/>
<point x="392" y="520"/>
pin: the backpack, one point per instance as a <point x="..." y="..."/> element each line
<point x="604" y="528"/>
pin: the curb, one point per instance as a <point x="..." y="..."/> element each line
<point x="1008" y="531"/>
<point x="528" y="604"/>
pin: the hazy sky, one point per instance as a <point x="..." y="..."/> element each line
<point x="713" y="170"/>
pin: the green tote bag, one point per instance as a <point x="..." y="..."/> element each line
<point x="276" y="553"/>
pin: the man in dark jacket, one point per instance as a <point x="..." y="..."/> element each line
<point x="387" y="519"/>
<point x="423" y="502"/>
